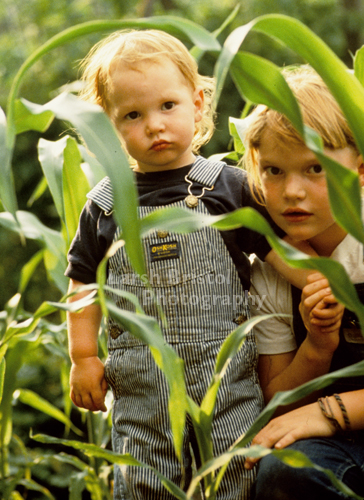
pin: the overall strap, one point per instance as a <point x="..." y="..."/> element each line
<point x="205" y="172"/>
<point x="102" y="195"/>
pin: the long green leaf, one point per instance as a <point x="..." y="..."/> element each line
<point x="282" y="398"/>
<point x="177" y="26"/>
<point x="32" y="485"/>
<point x="30" y="117"/>
<point x="2" y="370"/>
<point x="7" y="189"/>
<point x="92" y="450"/>
<point x="178" y="219"/>
<point x="31" y="227"/>
<point x="50" y="154"/>
<point x="290" y="457"/>
<point x="101" y="139"/>
<point x="261" y="82"/>
<point x="289" y="397"/>
<point x="343" y="187"/>
<point x="183" y="28"/>
<point x="28" y="270"/>
<point x="75" y="187"/>
<point x="32" y="399"/>
<point x="344" y="86"/>
<point x="359" y="65"/>
<point x="148" y="331"/>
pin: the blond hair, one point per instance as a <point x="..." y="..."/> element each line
<point x="133" y="47"/>
<point x="319" y="111"/>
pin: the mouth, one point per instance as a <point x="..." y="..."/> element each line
<point x="296" y="214"/>
<point x="159" y="145"/>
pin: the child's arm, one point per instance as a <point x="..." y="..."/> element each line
<point x="87" y="381"/>
<point x="309" y="421"/>
<point x="295" y="276"/>
<point x="286" y="371"/>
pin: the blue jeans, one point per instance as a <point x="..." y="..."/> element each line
<point x="344" y="457"/>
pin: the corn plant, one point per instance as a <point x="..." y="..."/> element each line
<point x="70" y="171"/>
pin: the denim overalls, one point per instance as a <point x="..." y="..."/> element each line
<point x="199" y="289"/>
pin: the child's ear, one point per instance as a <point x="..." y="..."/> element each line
<point x="199" y="100"/>
<point x="361" y="170"/>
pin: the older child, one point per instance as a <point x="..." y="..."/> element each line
<point x="293" y="186"/>
<point x="149" y="85"/>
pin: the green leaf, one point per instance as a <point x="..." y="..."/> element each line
<point x="359" y="65"/>
<point x="181" y="220"/>
<point x="289" y="397"/>
<point x="2" y="370"/>
<point x="198" y="52"/>
<point x="55" y="250"/>
<point x="32" y="399"/>
<point x="92" y="168"/>
<point x="101" y="139"/>
<point x="147" y="329"/>
<point x="50" y="155"/>
<point x="343" y="187"/>
<point x="183" y="28"/>
<point x="32" y="485"/>
<point x="344" y="86"/>
<point x="261" y="82"/>
<point x="28" y="270"/>
<point x="29" y="116"/>
<point x="92" y="450"/>
<point x="40" y="189"/>
<point x="7" y="188"/>
<point x="75" y="187"/>
<point x="236" y="132"/>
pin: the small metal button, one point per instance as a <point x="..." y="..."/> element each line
<point x="240" y="319"/>
<point x="191" y="201"/>
<point x="114" y="331"/>
<point x="162" y="234"/>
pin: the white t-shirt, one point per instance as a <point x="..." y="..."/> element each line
<point x="270" y="293"/>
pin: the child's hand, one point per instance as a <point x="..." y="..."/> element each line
<point x="321" y="313"/>
<point x="88" y="384"/>
<point x="302" y="423"/>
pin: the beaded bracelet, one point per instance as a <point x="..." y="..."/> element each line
<point x="329" y="416"/>
<point x="344" y="412"/>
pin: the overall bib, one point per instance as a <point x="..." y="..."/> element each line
<point x="199" y="289"/>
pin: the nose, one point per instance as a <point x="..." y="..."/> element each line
<point x="294" y="188"/>
<point x="155" y="124"/>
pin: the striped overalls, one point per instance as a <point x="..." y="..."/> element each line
<point x="200" y="291"/>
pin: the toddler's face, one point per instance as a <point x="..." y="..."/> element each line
<point x="155" y="111"/>
<point x="295" y="191"/>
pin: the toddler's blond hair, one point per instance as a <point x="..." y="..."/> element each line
<point x="135" y="46"/>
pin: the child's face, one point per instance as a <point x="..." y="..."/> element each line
<point x="295" y="191"/>
<point x="155" y="110"/>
